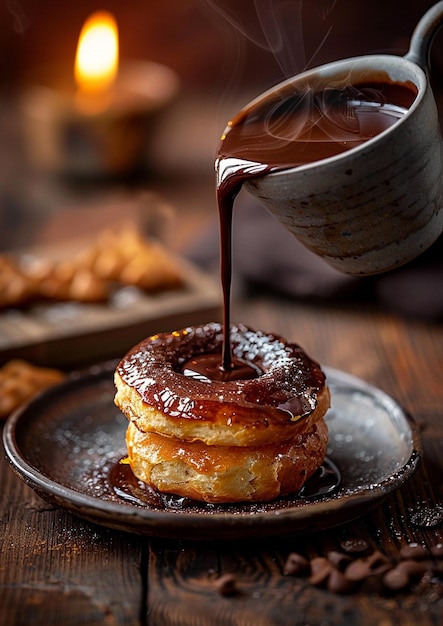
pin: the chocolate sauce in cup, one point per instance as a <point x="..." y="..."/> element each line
<point x="347" y="156"/>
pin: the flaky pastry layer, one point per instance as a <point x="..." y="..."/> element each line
<point x="225" y="428"/>
<point x="226" y="473"/>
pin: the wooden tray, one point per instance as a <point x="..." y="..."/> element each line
<point x="71" y="334"/>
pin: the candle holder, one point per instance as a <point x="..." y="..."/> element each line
<point x="100" y="135"/>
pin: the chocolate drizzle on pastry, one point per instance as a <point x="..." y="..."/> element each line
<point x="285" y="389"/>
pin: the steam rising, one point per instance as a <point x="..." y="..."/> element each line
<point x="275" y="26"/>
<point x="20" y="21"/>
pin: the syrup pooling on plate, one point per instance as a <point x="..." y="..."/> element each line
<point x="293" y="127"/>
<point x="131" y="490"/>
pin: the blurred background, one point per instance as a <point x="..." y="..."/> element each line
<point x="211" y="43"/>
<point x="223" y="53"/>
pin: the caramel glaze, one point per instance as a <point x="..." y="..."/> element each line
<point x="218" y="459"/>
<point x="285" y="390"/>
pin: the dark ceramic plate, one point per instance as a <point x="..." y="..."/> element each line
<point x="67" y="442"/>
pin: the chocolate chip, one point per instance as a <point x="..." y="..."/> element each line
<point x="338" y="583"/>
<point x="357" y="571"/>
<point x="396" y="579"/>
<point x="414" y="569"/>
<point x="414" y="551"/>
<point x="377" y="560"/>
<point x="226" y="585"/>
<point x="296" y="565"/>
<point x="340" y="573"/>
<point x="339" y="560"/>
<point x="320" y="570"/>
<point x="354" y="546"/>
<point x="376" y="563"/>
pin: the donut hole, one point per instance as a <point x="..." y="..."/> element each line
<point x="209" y="368"/>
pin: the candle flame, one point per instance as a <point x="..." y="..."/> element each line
<point x="96" y="61"/>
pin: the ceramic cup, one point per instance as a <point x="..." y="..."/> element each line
<point x="379" y="205"/>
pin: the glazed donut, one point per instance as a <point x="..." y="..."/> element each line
<point x="154" y="394"/>
<point x="173" y="415"/>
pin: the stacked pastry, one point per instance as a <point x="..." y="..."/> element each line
<point x="223" y="441"/>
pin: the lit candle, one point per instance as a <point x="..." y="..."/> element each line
<point x="99" y="125"/>
<point x="96" y="62"/>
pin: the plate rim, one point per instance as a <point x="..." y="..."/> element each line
<point x="154" y="522"/>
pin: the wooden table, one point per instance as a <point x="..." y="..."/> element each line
<point x="57" y="569"/>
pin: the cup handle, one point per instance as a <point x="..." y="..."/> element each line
<point x="423" y="36"/>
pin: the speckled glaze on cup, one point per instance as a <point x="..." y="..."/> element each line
<point x="378" y="205"/>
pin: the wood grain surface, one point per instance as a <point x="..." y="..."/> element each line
<point x="56" y="569"/>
